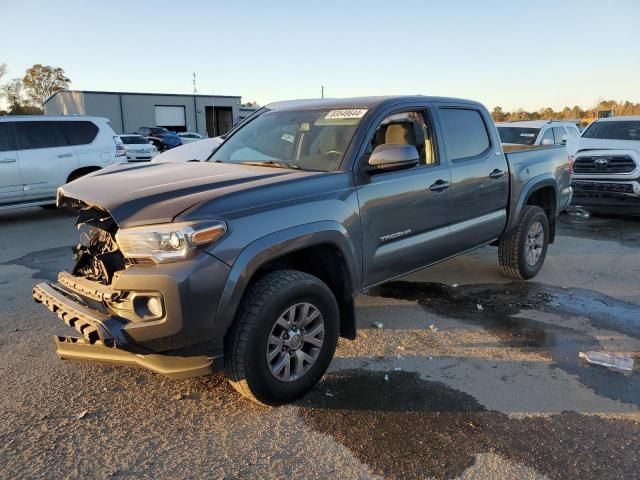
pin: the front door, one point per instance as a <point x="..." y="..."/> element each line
<point x="404" y="213"/>
<point x="46" y="159"/>
<point x="10" y="182"/>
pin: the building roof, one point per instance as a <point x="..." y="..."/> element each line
<point x="141" y="93"/>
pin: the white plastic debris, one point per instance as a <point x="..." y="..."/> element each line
<point x="397" y="369"/>
<point x="578" y="212"/>
<point x="430" y="358"/>
<point x="386" y="378"/>
<point x="433" y="328"/>
<point x="455" y="285"/>
<point x="378" y="324"/>
<point x="328" y="394"/>
<point x="82" y="414"/>
<point x="479" y="306"/>
<point x="608" y="360"/>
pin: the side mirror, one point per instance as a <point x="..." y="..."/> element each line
<point x="547" y="141"/>
<point x="563" y="141"/>
<point x="389" y="157"/>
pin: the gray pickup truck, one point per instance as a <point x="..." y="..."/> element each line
<point x="251" y="260"/>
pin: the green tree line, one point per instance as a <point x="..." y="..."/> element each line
<point x="568" y="113"/>
<point x="26" y="95"/>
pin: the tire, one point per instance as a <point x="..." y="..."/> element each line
<point x="513" y="249"/>
<point x="265" y="306"/>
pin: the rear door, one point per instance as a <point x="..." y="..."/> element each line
<point x="45" y="157"/>
<point x="479" y="189"/>
<point x="403" y="213"/>
<point x="10" y="181"/>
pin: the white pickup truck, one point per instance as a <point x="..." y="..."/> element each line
<point x="607" y="166"/>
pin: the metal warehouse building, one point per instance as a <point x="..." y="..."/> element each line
<point x="210" y="115"/>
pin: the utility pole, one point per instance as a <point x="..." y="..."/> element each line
<point x="322" y="91"/>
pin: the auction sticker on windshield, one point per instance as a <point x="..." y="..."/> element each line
<point x="342" y="114"/>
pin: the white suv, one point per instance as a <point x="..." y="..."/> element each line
<point x="38" y="154"/>
<point x="537" y="132"/>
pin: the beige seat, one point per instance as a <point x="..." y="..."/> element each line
<point x="399" y="134"/>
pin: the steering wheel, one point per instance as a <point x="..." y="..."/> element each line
<point x="334" y="152"/>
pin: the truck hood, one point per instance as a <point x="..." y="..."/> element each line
<point x="158" y="193"/>
<point x="577" y="144"/>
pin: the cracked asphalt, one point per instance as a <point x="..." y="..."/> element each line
<point x="471" y="376"/>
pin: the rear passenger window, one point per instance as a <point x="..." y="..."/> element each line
<point x="559" y="133"/>
<point x="79" y="133"/>
<point x="5" y="143"/>
<point x="38" y="135"/>
<point x="465" y="134"/>
<point x="548" y="135"/>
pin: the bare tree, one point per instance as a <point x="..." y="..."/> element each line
<point x="42" y="81"/>
<point x="12" y="91"/>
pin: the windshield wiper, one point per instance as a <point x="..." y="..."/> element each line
<point x="272" y="163"/>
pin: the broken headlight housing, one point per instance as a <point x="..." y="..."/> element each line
<point x="169" y="242"/>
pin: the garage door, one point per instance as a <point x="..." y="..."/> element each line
<point x="170" y="116"/>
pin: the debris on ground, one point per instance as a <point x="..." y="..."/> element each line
<point x="578" y="212"/>
<point x="455" y="285"/>
<point x="179" y="396"/>
<point x="433" y="328"/>
<point x="479" y="307"/>
<point x="618" y="362"/>
<point x="397" y="369"/>
<point x="328" y="394"/>
<point x="82" y="414"/>
<point x="386" y="378"/>
<point x="378" y="324"/>
<point x="429" y="358"/>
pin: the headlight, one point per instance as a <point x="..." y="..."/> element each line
<point x="168" y="242"/>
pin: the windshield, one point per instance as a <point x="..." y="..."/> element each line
<point x="158" y="130"/>
<point x="519" y="135"/>
<point x="134" y="140"/>
<point x="614" y="130"/>
<point x="304" y="139"/>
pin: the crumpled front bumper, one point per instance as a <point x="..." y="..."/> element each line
<point x="185" y="342"/>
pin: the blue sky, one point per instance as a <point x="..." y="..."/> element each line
<point x="515" y="53"/>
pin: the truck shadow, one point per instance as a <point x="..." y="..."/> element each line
<point x="407" y="427"/>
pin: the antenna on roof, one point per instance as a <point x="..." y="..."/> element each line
<point x="195" y="89"/>
<point x="322" y="91"/>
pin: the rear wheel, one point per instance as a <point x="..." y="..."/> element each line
<point x="284" y="337"/>
<point x="522" y="252"/>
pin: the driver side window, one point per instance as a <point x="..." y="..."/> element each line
<point x="407" y="128"/>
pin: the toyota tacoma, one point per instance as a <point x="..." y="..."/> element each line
<point x="250" y="261"/>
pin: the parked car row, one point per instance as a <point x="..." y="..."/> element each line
<point x="606" y="158"/>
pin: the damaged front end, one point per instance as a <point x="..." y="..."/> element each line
<point x="119" y="309"/>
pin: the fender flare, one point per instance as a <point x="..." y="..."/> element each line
<point x="540" y="181"/>
<point x="277" y="244"/>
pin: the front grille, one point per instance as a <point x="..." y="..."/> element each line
<point x="599" y="164"/>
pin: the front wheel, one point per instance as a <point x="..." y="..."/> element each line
<point x="284" y="337"/>
<point x="522" y="252"/>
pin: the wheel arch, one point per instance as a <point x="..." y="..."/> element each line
<point x="322" y="249"/>
<point x="540" y="191"/>
<point x="80" y="172"/>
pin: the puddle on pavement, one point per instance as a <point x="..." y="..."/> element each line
<point x="501" y="302"/>
<point x="624" y="230"/>
<point x="47" y="263"/>
<point x="407" y="427"/>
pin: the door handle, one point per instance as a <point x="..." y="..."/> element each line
<point x="497" y="173"/>
<point x="439" y="186"/>
<point x="8" y="160"/>
<point x="65" y="155"/>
